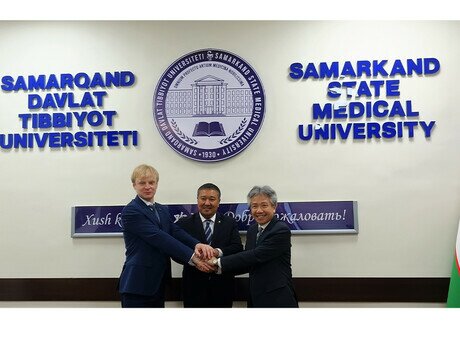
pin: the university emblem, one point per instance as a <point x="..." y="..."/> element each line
<point x="209" y="105"/>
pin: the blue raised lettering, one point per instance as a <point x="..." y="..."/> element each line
<point x="363" y="67"/>
<point x="359" y="131"/>
<point x="398" y="68"/>
<point x="392" y="88"/>
<point x="388" y="130"/>
<point x="37" y="83"/>
<point x="376" y="108"/>
<point x="34" y="101"/>
<point x="328" y="72"/>
<point x="413" y="66"/>
<point x="7" y="83"/>
<point x="348" y="69"/>
<point x="319" y="113"/>
<point x="378" y="68"/>
<point x="127" y="78"/>
<point x="333" y="89"/>
<point x="431" y="65"/>
<point x="310" y="71"/>
<point x="296" y="70"/>
<point x="427" y="128"/>
<point x="52" y="82"/>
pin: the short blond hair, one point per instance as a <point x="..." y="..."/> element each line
<point x="144" y="170"/>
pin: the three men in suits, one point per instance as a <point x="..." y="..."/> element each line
<point x="151" y="239"/>
<point x="210" y="290"/>
<point x="267" y="255"/>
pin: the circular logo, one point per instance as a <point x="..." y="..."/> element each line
<point x="209" y="105"/>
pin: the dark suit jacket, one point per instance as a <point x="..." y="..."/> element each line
<point x="149" y="247"/>
<point x="269" y="265"/>
<point x="209" y="289"/>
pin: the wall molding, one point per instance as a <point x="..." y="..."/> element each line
<point x="307" y="289"/>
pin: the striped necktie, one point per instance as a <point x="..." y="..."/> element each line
<point x="207" y="230"/>
<point x="259" y="232"/>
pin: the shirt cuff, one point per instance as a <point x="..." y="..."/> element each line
<point x="219" y="269"/>
<point x="190" y="262"/>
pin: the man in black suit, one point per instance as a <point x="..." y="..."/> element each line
<point x="209" y="290"/>
<point x="267" y="256"/>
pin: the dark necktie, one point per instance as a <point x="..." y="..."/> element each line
<point x="207" y="231"/>
<point x="259" y="232"/>
<point x="155" y="212"/>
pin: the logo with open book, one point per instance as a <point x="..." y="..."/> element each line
<point x="209" y="105"/>
<point x="212" y="129"/>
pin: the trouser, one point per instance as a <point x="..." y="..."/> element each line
<point x="130" y="300"/>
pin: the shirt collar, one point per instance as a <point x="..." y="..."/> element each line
<point x="263" y="226"/>
<point x="213" y="218"/>
<point x="148" y="203"/>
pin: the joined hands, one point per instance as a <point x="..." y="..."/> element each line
<point x="205" y="258"/>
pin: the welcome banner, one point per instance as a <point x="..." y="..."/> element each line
<point x="318" y="217"/>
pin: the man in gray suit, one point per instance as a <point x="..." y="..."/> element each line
<point x="267" y="255"/>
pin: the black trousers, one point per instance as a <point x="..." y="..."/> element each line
<point x="207" y="291"/>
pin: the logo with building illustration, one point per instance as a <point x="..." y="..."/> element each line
<point x="209" y="105"/>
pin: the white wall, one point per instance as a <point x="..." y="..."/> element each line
<point x="407" y="190"/>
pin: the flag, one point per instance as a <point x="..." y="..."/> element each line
<point x="453" y="299"/>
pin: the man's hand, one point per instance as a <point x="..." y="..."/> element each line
<point x="203" y="265"/>
<point x="213" y="261"/>
<point x="204" y="251"/>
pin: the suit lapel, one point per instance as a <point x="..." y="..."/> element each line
<point x="217" y="229"/>
<point x="266" y="230"/>
<point x="251" y="237"/>
<point x="198" y="228"/>
<point x="161" y="213"/>
<point x="147" y="211"/>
